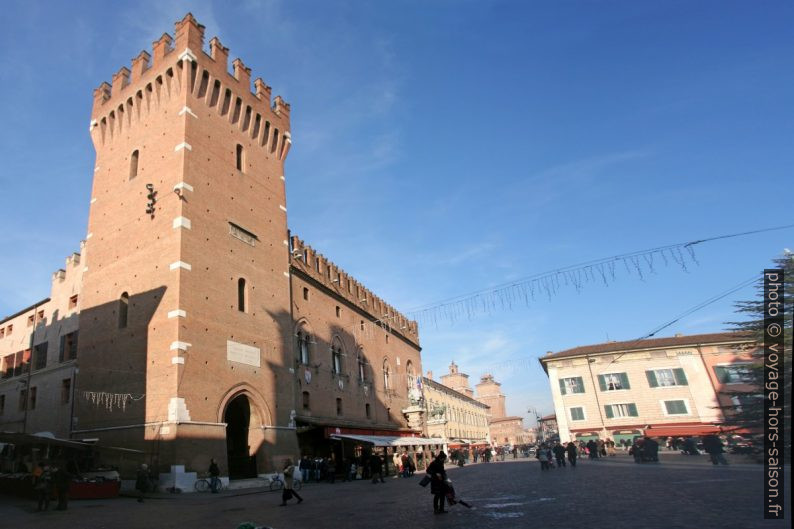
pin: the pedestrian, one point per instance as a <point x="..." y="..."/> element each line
<point x="406" y="464"/>
<point x="142" y="481"/>
<point x="515" y="452"/>
<point x="376" y="468"/>
<point x="543" y="456"/>
<point x="572" y="452"/>
<point x="592" y="449"/>
<point x="288" y="492"/>
<point x="559" y="454"/>
<point x="42" y="484"/>
<point x="305" y="467"/>
<point x="438" y="482"/>
<point x="476" y="453"/>
<point x="398" y="464"/>
<point x="713" y="447"/>
<point x="215" y="480"/>
<point x="62" y="478"/>
<point x="650" y="450"/>
<point x="602" y="448"/>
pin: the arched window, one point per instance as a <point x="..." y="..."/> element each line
<point x="336" y="357"/>
<point x="124" y="306"/>
<point x="134" y="164"/>
<point x="241" y="295"/>
<point x="409" y="372"/>
<point x="239" y="157"/>
<point x="362" y="367"/>
<point x="386" y="375"/>
<point x="303" y="347"/>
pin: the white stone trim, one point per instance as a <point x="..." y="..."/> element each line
<point x="286" y="243"/>
<point x="181" y="222"/>
<point x="96" y="168"/>
<point x="92" y="125"/>
<point x="85" y="269"/>
<point x="177" y="360"/>
<point x="186" y="110"/>
<point x="184" y="185"/>
<point x="286" y="274"/>
<point x="187" y="53"/>
<point x="282" y="177"/>
<point x="177" y="410"/>
<point x="93" y="200"/>
<point x="180" y="264"/>
<point x="179" y="346"/>
<point x="178" y="313"/>
<point x="183" y="145"/>
<point x="89" y="236"/>
<point x="282" y="208"/>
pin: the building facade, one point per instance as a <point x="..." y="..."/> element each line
<point x="660" y="387"/>
<point x="207" y="329"/>
<point x="504" y="429"/>
<point x="454" y="415"/>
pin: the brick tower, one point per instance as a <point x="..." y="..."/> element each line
<point x="184" y="327"/>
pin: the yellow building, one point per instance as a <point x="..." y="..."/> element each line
<point x="453" y="415"/>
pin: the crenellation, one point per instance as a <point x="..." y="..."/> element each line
<point x="189" y="34"/>
<point x="314" y="264"/>
<point x="263" y="91"/>
<point x="219" y="53"/>
<point x="242" y="73"/>
<point x="140" y="64"/>
<point x="160" y="48"/>
<point x="281" y="107"/>
<point x="120" y="80"/>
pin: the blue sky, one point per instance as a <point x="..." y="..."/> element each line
<point x="443" y="147"/>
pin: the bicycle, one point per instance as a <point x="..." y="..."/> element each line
<point x="203" y="485"/>
<point x="277" y="483"/>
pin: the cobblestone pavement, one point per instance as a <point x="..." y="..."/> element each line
<point x="679" y="492"/>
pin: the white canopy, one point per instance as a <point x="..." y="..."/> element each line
<point x="388" y="440"/>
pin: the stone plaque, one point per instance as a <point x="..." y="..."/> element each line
<point x="242" y="354"/>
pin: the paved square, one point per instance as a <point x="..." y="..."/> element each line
<point x="679" y="492"/>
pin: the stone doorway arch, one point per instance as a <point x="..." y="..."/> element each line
<point x="244" y="416"/>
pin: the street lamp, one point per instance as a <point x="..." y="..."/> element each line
<point x="536" y="413"/>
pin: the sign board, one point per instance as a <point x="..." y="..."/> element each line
<point x="242" y="354"/>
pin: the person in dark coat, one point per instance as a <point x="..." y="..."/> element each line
<point x="592" y="449"/>
<point x="215" y="472"/>
<point x="559" y="454"/>
<point x="376" y="468"/>
<point x="62" y="478"/>
<point x="572" y="452"/>
<point x="438" y="482"/>
<point x="713" y="446"/>
<point x="650" y="450"/>
<point x="142" y="481"/>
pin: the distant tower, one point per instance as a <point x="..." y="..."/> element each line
<point x="457" y="380"/>
<point x="185" y="298"/>
<point x="489" y="392"/>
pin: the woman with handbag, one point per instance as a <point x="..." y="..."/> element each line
<point x="288" y="492"/>
<point x="438" y="482"/>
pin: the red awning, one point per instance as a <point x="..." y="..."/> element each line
<point x="682" y="431"/>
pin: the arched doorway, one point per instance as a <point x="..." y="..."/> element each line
<point x="242" y="464"/>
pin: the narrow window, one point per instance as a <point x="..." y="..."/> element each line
<point x="40" y="356"/>
<point x="305" y="294"/>
<point x="386" y="375"/>
<point x="239" y="157"/>
<point x="124" y="305"/>
<point x="274" y="141"/>
<point x="23" y="399"/>
<point x="303" y="347"/>
<point x="73" y="302"/>
<point x="338" y="407"/>
<point x="306" y="400"/>
<point x="338" y="311"/>
<point x="134" y="164"/>
<point x="33" y="394"/>
<point x="241" y="291"/>
<point x="367" y="410"/>
<point x="362" y="364"/>
<point x="66" y="390"/>
<point x="336" y="359"/>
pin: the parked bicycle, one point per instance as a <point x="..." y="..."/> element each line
<point x="203" y="485"/>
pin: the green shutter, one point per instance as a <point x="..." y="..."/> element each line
<point x="608" y="411"/>
<point x="602" y="383"/>
<point x="633" y="410"/>
<point x="62" y="348"/>
<point x="722" y="374"/>
<point x="562" y="386"/>
<point x="624" y="381"/>
<point x="680" y="377"/>
<point x="652" y="379"/>
<point x="580" y="384"/>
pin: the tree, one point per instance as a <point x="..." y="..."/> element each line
<point x="747" y="412"/>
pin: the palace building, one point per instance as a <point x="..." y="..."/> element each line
<point x="662" y="387"/>
<point x="205" y="328"/>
